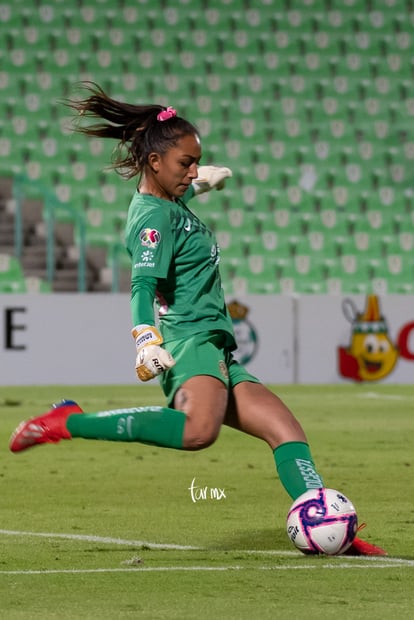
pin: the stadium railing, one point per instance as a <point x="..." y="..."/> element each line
<point x="24" y="188"/>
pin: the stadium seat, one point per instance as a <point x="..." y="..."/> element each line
<point x="311" y="108"/>
<point x="101" y="227"/>
<point x="37" y="285"/>
<point x="364" y="244"/>
<point x="11" y="275"/>
<point x="403" y="244"/>
<point x="400" y="266"/>
<point x="399" y="286"/>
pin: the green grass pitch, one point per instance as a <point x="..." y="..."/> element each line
<point x="107" y="530"/>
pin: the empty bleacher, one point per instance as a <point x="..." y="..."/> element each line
<point x="310" y="103"/>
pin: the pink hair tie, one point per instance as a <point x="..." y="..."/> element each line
<point x="166" y="114"/>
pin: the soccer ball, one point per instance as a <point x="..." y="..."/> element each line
<point x="322" y="521"/>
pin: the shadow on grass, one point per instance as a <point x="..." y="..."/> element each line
<point x="266" y="539"/>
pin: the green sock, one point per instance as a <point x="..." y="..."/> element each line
<point x="159" y="426"/>
<point x="296" y="468"/>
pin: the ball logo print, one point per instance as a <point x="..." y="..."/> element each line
<point x="322" y="521"/>
<point x="150" y="237"/>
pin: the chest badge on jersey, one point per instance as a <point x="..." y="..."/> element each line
<point x="150" y="237"/>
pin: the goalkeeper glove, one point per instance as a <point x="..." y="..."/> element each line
<point x="151" y="360"/>
<point x="210" y="177"/>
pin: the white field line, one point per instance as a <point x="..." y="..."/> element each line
<point x="100" y="539"/>
<point x="377" y="396"/>
<point x="349" y="562"/>
<point x="161" y="569"/>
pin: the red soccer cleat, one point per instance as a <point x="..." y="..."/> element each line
<point x="361" y="547"/>
<point x="47" y="428"/>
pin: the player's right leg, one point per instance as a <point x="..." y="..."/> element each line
<point x="194" y="428"/>
<point x="47" y="428"/>
<point x="194" y="421"/>
<point x="150" y="425"/>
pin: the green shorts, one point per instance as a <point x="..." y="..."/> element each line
<point x="202" y="354"/>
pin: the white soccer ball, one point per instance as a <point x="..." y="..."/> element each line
<point x="322" y="521"/>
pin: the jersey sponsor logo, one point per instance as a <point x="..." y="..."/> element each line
<point x="150" y="237"/>
<point x="147" y="259"/>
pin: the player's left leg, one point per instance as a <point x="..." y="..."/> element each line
<point x="255" y="410"/>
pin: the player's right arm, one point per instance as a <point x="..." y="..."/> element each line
<point x="149" y="243"/>
<point x="151" y="358"/>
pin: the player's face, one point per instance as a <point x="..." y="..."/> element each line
<point x="177" y="168"/>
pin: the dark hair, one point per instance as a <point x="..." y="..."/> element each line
<point x="136" y="128"/>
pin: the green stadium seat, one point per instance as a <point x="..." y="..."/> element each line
<point x="294" y="283"/>
<point x="343" y="284"/>
<point x="354" y="64"/>
<point x="306" y="265"/>
<point x="380" y="286"/>
<point x="320" y="42"/>
<point x="332" y="130"/>
<point x="238" y="218"/>
<point x="311" y="108"/>
<point x="229" y="243"/>
<point x="331" y="222"/>
<point x="268" y="243"/>
<point x="215" y="220"/>
<point x="11" y="275"/>
<point x="378" y="223"/>
<point x="400" y="266"/>
<point x="363" y="243"/>
<point x="275" y="152"/>
<point x="85" y="18"/>
<point x="10" y="15"/>
<point x="286" y="220"/>
<point x="12" y="285"/>
<point x="317" y="246"/>
<point x="102" y="227"/>
<point x="239" y="41"/>
<point x="259" y="266"/>
<point x="234" y="284"/>
<point x="400" y="286"/>
<point x="37" y="285"/>
<point x="259" y="286"/>
<point x="353" y="266"/>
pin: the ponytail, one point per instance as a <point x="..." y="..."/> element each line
<point x="139" y="129"/>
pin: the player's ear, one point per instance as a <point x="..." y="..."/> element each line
<point x="154" y="161"/>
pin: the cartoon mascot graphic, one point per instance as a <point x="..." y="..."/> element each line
<point x="371" y="355"/>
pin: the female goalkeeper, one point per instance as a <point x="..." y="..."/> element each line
<point x="175" y="261"/>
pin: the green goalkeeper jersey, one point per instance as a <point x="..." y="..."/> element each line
<point x="175" y="260"/>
